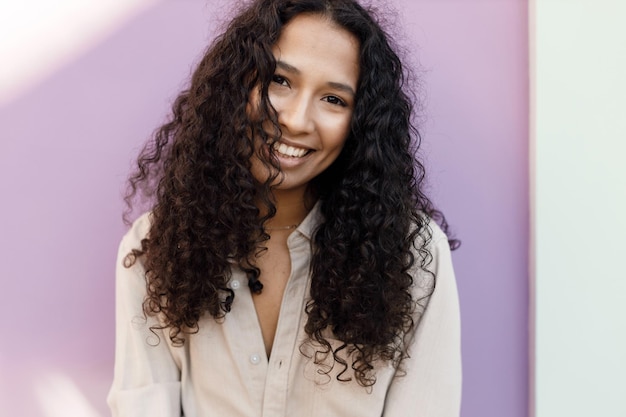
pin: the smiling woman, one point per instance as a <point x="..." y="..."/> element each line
<point x="312" y="92"/>
<point x="288" y="164"/>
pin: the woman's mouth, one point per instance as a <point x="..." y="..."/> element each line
<point x="289" y="151"/>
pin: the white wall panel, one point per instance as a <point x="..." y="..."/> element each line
<point x="578" y="124"/>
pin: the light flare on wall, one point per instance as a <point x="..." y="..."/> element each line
<point x="59" y="396"/>
<point x="38" y="37"/>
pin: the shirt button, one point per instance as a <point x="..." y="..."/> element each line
<point x="234" y="284"/>
<point x="255" y="359"/>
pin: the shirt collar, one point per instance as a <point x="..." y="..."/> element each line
<point x="311" y="221"/>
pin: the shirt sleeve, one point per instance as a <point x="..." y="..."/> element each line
<point x="431" y="385"/>
<point x="146" y="378"/>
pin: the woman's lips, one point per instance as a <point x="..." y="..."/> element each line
<point x="290" y="156"/>
<point x="289" y="151"/>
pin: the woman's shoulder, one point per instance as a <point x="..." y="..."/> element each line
<point x="432" y="259"/>
<point x="137" y="232"/>
<point x="132" y="239"/>
<point x="430" y="235"/>
<point x="437" y="233"/>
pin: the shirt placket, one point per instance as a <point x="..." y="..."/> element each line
<point x="284" y="349"/>
<point x="246" y="341"/>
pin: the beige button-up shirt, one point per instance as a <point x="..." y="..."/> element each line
<point x="223" y="371"/>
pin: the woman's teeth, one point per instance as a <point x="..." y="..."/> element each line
<point x="289" y="150"/>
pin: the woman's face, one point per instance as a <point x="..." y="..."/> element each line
<point x="313" y="89"/>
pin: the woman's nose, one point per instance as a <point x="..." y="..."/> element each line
<point x="295" y="115"/>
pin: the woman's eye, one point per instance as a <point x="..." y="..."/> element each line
<point x="280" y="80"/>
<point x="335" y="100"/>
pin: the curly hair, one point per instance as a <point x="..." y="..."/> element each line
<point x="205" y="212"/>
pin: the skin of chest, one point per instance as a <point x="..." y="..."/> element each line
<point x="275" y="266"/>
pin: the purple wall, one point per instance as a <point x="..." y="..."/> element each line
<point x="66" y="146"/>
<point x="474" y="56"/>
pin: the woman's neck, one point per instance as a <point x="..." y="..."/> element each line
<point x="291" y="208"/>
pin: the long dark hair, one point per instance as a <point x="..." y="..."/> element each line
<point x="197" y="170"/>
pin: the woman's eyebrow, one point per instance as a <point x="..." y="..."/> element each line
<point x="293" y="70"/>
<point x="286" y="67"/>
<point x="341" y="86"/>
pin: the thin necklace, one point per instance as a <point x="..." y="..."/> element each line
<point x="291" y="226"/>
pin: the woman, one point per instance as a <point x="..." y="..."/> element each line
<point x="287" y="164"/>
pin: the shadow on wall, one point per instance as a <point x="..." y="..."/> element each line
<point x="65" y="151"/>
